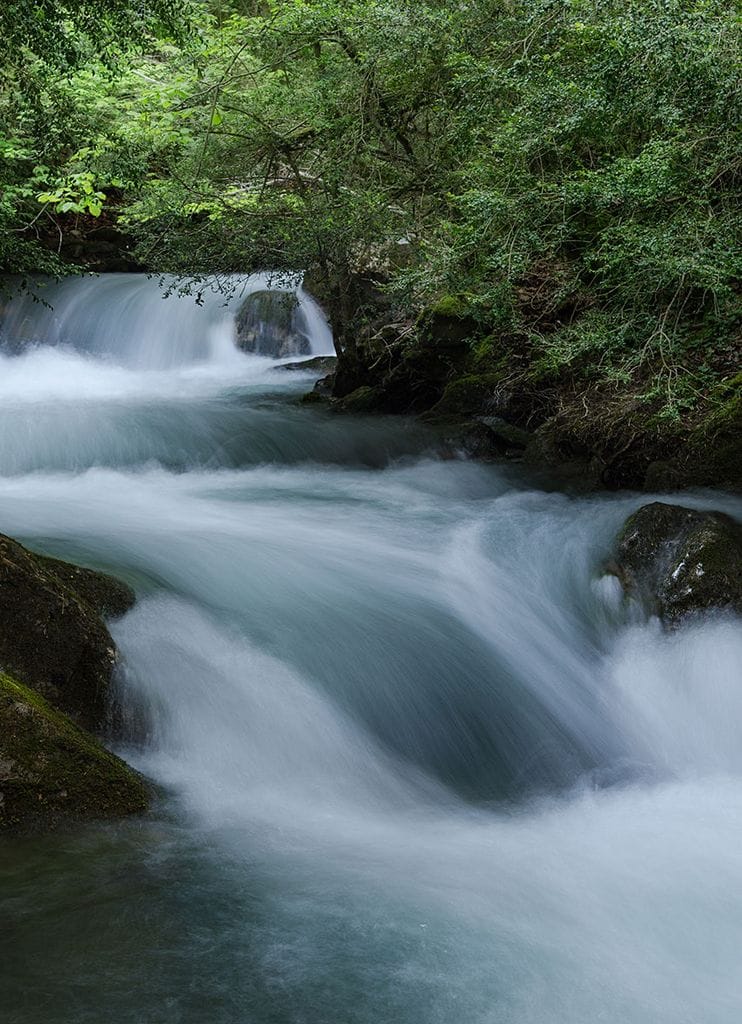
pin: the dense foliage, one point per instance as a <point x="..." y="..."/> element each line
<point x="563" y="172"/>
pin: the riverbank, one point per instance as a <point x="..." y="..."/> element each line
<point x="492" y="395"/>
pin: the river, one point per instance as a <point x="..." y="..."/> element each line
<point x="417" y="761"/>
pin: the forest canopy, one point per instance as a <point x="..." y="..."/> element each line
<point x="564" y="173"/>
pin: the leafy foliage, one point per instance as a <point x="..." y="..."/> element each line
<point x="568" y="169"/>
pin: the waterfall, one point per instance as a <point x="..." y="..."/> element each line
<point x="147" y="323"/>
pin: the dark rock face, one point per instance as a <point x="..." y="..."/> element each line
<point x="51" y="635"/>
<point x="679" y="561"/>
<point x="52" y="773"/>
<point x="272" y="324"/>
<point x="109" y="597"/>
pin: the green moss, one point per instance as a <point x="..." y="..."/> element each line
<point x="454" y="306"/>
<point x="465" y="396"/>
<point x="490" y="355"/>
<point x="52" y="772"/>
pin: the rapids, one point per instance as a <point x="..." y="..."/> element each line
<point x="418" y="763"/>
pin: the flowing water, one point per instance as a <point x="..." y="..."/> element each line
<point x="418" y="762"/>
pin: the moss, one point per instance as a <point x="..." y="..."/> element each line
<point x="52" y="772"/>
<point x="465" y="396"/>
<point x="454" y="306"/>
<point x="490" y="355"/>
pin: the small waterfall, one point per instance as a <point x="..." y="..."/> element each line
<point x="148" y="324"/>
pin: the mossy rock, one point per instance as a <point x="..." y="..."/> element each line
<point x="52" y="636"/>
<point x="362" y="400"/>
<point x="454" y="306"/>
<point x="465" y="396"/>
<point x="678" y="560"/>
<point x="52" y="772"/>
<point x="317" y="364"/>
<point x="314" y="398"/>
<point x="108" y="596"/>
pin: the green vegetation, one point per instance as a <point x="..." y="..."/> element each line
<point x="562" y="174"/>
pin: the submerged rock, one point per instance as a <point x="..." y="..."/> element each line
<point x="678" y="560"/>
<point x="52" y="637"/>
<point x="52" y="772"/>
<point x="272" y="323"/>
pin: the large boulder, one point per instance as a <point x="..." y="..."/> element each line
<point x="52" y="636"/>
<point x="678" y="560"/>
<point x="272" y="323"/>
<point x="53" y="773"/>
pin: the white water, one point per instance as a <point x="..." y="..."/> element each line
<point x="420" y="763"/>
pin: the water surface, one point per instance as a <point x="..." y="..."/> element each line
<point x="417" y="761"/>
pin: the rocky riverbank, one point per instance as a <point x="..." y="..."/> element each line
<point x="491" y="396"/>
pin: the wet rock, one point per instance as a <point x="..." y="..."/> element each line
<point x="52" y="772"/>
<point x="110" y="597"/>
<point x="272" y="323"/>
<point x="318" y="364"/>
<point x="362" y="400"/>
<point x="678" y="560"/>
<point x="52" y="637"/>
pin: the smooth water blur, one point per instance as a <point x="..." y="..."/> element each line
<point x="419" y="762"/>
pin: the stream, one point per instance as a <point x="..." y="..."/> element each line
<point x="417" y="761"/>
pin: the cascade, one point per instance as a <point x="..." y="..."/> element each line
<point x="416" y="759"/>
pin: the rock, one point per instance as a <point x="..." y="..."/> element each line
<point x="678" y="560"/>
<point x="323" y="388"/>
<point x="272" y="323"/>
<point x="362" y="400"/>
<point x="108" y="596"/>
<point x="52" y="637"/>
<point x="318" y="364"/>
<point x="52" y="773"/>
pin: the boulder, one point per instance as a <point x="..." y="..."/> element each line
<point x="52" y="637"/>
<point x="678" y="560"/>
<point x="272" y="323"/>
<point x="53" y="773"/>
